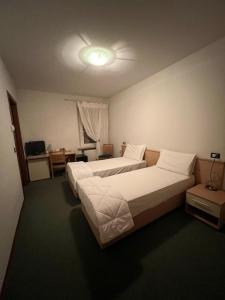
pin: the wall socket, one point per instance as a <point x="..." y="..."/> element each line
<point x="215" y="155"/>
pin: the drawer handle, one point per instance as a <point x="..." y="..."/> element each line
<point x="202" y="204"/>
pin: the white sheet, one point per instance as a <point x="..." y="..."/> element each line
<point x="106" y="167"/>
<point x="142" y="189"/>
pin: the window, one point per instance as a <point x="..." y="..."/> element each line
<point x="87" y="139"/>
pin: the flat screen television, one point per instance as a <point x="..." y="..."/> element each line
<point x="35" y="148"/>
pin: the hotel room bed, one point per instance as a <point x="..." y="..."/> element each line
<point x="103" y="168"/>
<point x="142" y="190"/>
<point x="118" y="205"/>
<point x="107" y="167"/>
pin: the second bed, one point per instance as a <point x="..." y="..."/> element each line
<point x="132" y="160"/>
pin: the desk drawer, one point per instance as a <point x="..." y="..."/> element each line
<point x="203" y="204"/>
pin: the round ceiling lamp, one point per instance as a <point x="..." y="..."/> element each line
<point x="97" y="56"/>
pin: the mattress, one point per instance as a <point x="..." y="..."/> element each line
<point x="107" y="167"/>
<point x="142" y="189"/>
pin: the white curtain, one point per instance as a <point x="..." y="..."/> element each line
<point x="94" y="117"/>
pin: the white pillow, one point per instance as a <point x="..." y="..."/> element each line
<point x="134" y="151"/>
<point x="182" y="163"/>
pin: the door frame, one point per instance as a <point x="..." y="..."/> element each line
<point x="18" y="139"/>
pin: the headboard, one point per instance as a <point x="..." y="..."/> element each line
<point x="201" y="170"/>
<point x="151" y="157"/>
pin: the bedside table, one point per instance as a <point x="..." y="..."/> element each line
<point x="207" y="206"/>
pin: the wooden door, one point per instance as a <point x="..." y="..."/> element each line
<point x="18" y="140"/>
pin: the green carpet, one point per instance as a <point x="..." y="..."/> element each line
<point x="56" y="255"/>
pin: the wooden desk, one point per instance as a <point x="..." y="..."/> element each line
<point x="39" y="167"/>
<point x="67" y="153"/>
<point x="70" y="155"/>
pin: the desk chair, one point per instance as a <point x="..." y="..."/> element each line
<point x="57" y="160"/>
<point x="107" y="150"/>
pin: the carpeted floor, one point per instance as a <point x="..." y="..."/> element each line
<point x="56" y="255"/>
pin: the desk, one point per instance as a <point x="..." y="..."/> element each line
<point x="39" y="167"/>
<point x="69" y="155"/>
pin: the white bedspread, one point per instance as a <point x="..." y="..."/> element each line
<point x="111" y="211"/>
<point x="141" y="190"/>
<point x="102" y="168"/>
<point x="79" y="171"/>
<point x="116" y="165"/>
<point x="148" y="187"/>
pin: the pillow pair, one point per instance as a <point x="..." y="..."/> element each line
<point x="135" y="152"/>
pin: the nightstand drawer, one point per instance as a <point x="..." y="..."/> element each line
<point x="203" y="204"/>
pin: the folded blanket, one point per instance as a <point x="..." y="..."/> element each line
<point x="109" y="208"/>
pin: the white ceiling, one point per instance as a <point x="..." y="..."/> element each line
<point x="40" y="40"/>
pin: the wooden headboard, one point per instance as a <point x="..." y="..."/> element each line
<point x="201" y="170"/>
<point x="151" y="157"/>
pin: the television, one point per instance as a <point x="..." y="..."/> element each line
<point x="35" y="148"/>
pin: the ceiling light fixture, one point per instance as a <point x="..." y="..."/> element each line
<point x="97" y="56"/>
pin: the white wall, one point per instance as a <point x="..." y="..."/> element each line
<point x="46" y="116"/>
<point x="11" y="194"/>
<point x="180" y="108"/>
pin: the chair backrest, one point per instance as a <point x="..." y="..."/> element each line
<point x="107" y="149"/>
<point x="58" y="157"/>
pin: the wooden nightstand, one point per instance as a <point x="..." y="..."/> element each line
<point x="207" y="206"/>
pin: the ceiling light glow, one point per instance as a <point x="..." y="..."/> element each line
<point x="97" y="56"/>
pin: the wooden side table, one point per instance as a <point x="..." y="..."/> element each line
<point x="207" y="206"/>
